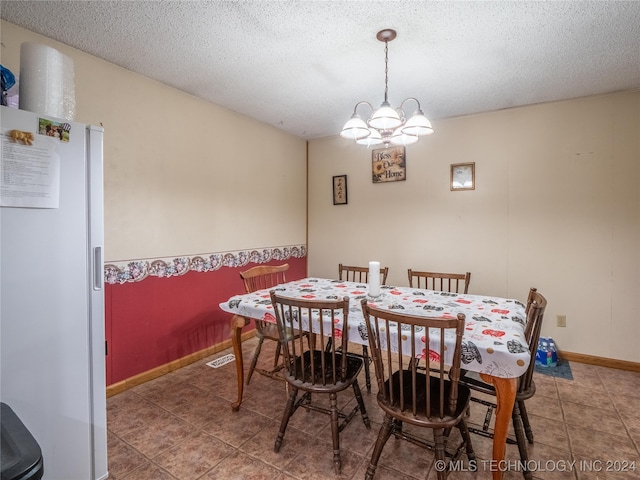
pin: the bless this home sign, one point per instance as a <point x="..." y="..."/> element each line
<point x="388" y="165"/>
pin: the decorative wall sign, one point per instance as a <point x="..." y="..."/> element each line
<point x="463" y="176"/>
<point x="340" y="190"/>
<point x="388" y="165"/>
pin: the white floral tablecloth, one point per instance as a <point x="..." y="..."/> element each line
<point x="493" y="341"/>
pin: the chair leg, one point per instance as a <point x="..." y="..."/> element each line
<point x="464" y="432"/>
<point x="525" y="422"/>
<point x="277" y="356"/>
<point x="367" y="373"/>
<point x="383" y="436"/>
<point x="335" y="432"/>
<point x="522" y="441"/>
<point x="438" y="435"/>
<point x="254" y="360"/>
<point x="288" y="411"/>
<point x="363" y="410"/>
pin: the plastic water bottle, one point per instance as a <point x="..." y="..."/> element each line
<point x="552" y="354"/>
<point x="547" y="354"/>
<point x="541" y="353"/>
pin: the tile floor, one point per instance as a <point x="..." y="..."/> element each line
<point x="180" y="426"/>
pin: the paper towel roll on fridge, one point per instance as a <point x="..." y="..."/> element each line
<point x="46" y="81"/>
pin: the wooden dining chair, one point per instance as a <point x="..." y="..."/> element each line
<point x="407" y="395"/>
<point x="319" y="367"/>
<point x="260" y="278"/>
<point x="442" y="282"/>
<point x="353" y="273"/>
<point x="536" y="305"/>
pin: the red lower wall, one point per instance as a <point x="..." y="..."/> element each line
<point x="157" y="320"/>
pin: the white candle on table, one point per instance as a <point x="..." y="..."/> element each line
<point x="374" y="279"/>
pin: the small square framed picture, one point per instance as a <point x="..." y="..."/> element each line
<point x="340" y="190"/>
<point x="463" y="176"/>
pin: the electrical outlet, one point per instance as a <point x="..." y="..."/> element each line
<point x="561" y="320"/>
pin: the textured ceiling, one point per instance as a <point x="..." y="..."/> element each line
<point x="302" y="65"/>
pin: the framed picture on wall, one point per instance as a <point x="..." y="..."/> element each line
<point x="463" y="176"/>
<point x="388" y="165"/>
<point x="340" y="190"/>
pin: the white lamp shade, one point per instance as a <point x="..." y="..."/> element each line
<point x="355" y="129"/>
<point x="401" y="138"/>
<point x="373" y="139"/>
<point x="418" y="125"/>
<point x="385" y="118"/>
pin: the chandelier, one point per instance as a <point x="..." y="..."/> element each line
<point x="387" y="125"/>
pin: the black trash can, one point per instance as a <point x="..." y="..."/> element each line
<point x="21" y="454"/>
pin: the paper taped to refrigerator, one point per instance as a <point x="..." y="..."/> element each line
<point x="29" y="174"/>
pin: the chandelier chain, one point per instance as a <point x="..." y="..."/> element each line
<point x="386" y="70"/>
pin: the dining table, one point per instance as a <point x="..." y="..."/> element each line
<point x="493" y="344"/>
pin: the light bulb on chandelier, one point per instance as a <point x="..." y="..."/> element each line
<point x="387" y="125"/>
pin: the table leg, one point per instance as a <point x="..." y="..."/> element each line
<point x="237" y="323"/>
<point x="505" y="398"/>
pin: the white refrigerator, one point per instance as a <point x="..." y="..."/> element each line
<point x="52" y="341"/>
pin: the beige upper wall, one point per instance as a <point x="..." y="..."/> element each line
<point x="179" y="178"/>
<point x="556" y="206"/>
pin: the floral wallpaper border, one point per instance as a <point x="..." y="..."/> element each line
<point x="138" y="270"/>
